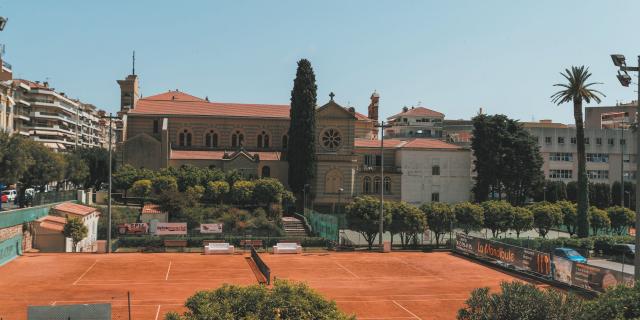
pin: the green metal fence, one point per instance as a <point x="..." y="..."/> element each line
<point x="326" y="225"/>
<point x="42" y="198"/>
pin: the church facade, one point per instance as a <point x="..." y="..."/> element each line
<point x="174" y="128"/>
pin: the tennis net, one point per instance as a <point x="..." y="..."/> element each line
<point x="264" y="269"/>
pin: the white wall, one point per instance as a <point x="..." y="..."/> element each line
<point x="417" y="182"/>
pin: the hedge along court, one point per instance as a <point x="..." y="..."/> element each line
<point x="371" y="285"/>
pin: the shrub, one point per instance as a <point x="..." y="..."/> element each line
<point x="285" y="300"/>
<point x="517" y="300"/>
<point x="216" y="191"/>
<point x="162" y="183"/>
<point x="620" y="302"/>
<point x="267" y="191"/>
<point x="242" y="192"/>
<point x="141" y="188"/>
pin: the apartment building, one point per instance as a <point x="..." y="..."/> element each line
<point x="611" y="153"/>
<point x="59" y="122"/>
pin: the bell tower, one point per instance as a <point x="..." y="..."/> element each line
<point x="373" y="106"/>
<point x="129" y="89"/>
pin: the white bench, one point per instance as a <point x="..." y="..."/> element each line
<point x="218" y="248"/>
<point x="287" y="247"/>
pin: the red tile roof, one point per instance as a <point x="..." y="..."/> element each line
<point x="75" y="209"/>
<point x="151" y="208"/>
<point x="367" y="143"/>
<point x="416" y="143"/>
<point x="418" y="112"/>
<point x="180" y="103"/>
<point x="429" y="144"/>
<point x="218" y="155"/>
<point x="52" y="223"/>
<point x="361" y="116"/>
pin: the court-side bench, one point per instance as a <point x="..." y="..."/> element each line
<point x="219" y="248"/>
<point x="287" y="247"/>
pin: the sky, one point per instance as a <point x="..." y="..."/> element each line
<point x="451" y="56"/>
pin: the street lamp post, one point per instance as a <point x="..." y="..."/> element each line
<point x="382" y="126"/>
<point x="339" y="199"/>
<point x="622" y="162"/>
<point x="625" y="80"/>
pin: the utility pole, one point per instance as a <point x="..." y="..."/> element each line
<point x="110" y="117"/>
<point x="382" y="126"/>
<point x="622" y="162"/>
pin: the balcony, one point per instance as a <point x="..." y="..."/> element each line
<point x="374" y="169"/>
<point x="6" y="66"/>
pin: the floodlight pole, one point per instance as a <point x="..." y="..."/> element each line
<point x="637" y="257"/>
<point x="619" y="61"/>
<point x="382" y="126"/>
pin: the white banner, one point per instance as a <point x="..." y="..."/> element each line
<point x="211" y="228"/>
<point x="168" y="228"/>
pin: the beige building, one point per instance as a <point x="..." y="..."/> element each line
<point x="415" y="122"/>
<point x="174" y="128"/>
<point x="59" y="122"/>
<point x="49" y="236"/>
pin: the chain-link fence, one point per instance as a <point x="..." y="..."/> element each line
<point x="42" y="198"/>
<point x="326" y="225"/>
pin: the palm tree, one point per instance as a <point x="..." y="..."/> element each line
<point x="577" y="90"/>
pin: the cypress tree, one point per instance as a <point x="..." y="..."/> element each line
<point x="302" y="140"/>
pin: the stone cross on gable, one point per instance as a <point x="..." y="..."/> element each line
<point x="331" y="95"/>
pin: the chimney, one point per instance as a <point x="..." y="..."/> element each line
<point x="46" y="84"/>
<point x="373" y="106"/>
<point x="405" y="109"/>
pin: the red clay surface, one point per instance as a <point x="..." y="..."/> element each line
<point x="369" y="285"/>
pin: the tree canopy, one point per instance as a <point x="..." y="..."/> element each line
<point x="76" y="230"/>
<point x="301" y="151"/>
<point x="469" y="216"/>
<point x="498" y="216"/>
<point x="363" y="216"/>
<point x="507" y="159"/>
<point x="284" y="301"/>
<point x="440" y="218"/>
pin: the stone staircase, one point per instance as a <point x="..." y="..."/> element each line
<point x="293" y="227"/>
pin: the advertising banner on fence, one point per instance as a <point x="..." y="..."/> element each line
<point x="597" y="278"/>
<point x="562" y="269"/>
<point x="211" y="228"/>
<point x="133" y="228"/>
<point x="171" y="228"/>
<point x="524" y="258"/>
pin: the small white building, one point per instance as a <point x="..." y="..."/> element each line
<point x="89" y="217"/>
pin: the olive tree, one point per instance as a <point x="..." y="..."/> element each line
<point x="598" y="219"/>
<point x="469" y="216"/>
<point x="440" y="218"/>
<point x="621" y="218"/>
<point x="363" y="216"/>
<point x="545" y="216"/>
<point x="407" y="221"/>
<point x="522" y="220"/>
<point x="498" y="216"/>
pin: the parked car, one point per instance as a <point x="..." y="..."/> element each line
<point x="628" y="250"/>
<point x="569" y="254"/>
<point x="4" y="198"/>
<point x="11" y="194"/>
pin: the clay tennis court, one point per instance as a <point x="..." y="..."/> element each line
<point x="370" y="285"/>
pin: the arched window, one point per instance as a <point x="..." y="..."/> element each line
<point x="266" y="172"/>
<point x="263" y="140"/>
<point x="184" y="138"/>
<point x="237" y="139"/>
<point x="376" y="185"/>
<point x="387" y="185"/>
<point x="285" y="142"/>
<point x="211" y="139"/>
<point x="366" y="185"/>
<point x="333" y="181"/>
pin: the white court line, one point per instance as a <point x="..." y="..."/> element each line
<point x="87" y="271"/>
<point x="168" y="269"/>
<point x="157" y="312"/>
<point x="54" y="303"/>
<point x="123" y="300"/>
<point x="345" y="268"/>
<point x="405" y="309"/>
<point x="408" y="300"/>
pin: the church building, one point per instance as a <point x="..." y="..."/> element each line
<point x="174" y="128"/>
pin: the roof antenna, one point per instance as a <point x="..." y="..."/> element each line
<point x="133" y="72"/>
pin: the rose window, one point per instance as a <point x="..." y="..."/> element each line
<point x="331" y="139"/>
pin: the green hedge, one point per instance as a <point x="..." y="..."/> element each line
<point x="599" y="244"/>
<point x="197" y="241"/>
